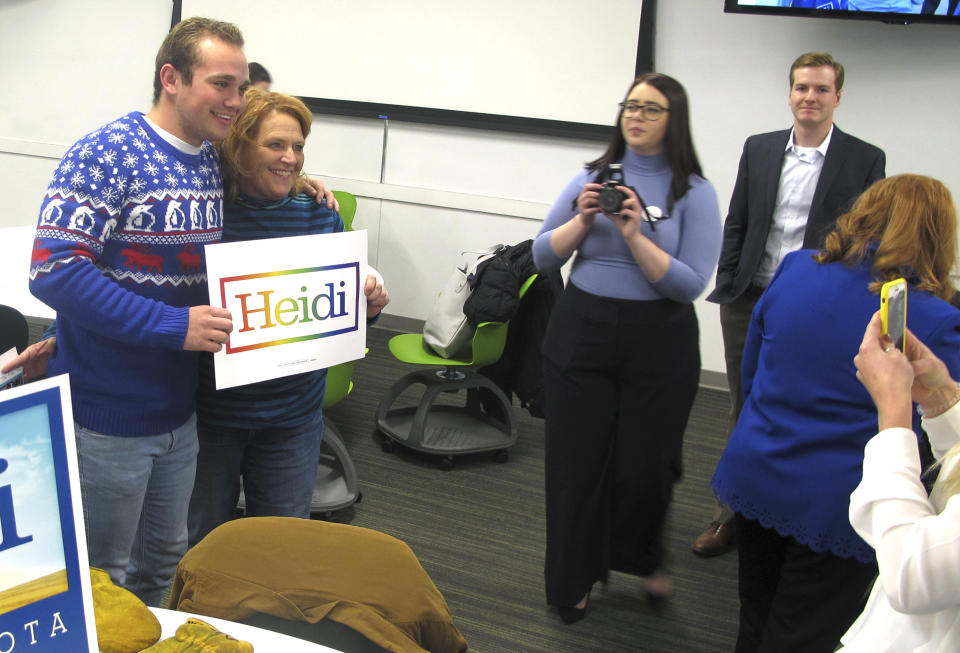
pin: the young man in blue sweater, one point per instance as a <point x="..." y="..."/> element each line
<point x="119" y="255"/>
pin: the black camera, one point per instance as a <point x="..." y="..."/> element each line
<point x="611" y="199"/>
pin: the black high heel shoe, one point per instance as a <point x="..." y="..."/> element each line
<point x="658" y="601"/>
<point x="570" y="614"/>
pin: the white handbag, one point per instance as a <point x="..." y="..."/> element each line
<point x="446" y="329"/>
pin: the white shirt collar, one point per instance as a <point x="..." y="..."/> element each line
<point x="178" y="143"/>
<point x="822" y="148"/>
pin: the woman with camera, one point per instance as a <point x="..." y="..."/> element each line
<point x="797" y="450"/>
<point x="621" y="352"/>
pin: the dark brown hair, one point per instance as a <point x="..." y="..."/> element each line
<point x="179" y="48"/>
<point x="678" y="143"/>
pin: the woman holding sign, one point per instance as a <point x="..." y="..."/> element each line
<point x="266" y="433"/>
<point x="796" y="452"/>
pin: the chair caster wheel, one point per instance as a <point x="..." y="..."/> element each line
<point x="446" y="463"/>
<point x="387" y="446"/>
<point x="501" y="455"/>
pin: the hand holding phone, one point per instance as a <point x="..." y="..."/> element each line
<point x="893" y="311"/>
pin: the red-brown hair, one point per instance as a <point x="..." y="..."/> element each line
<point x="907" y="224"/>
<point x="243" y="135"/>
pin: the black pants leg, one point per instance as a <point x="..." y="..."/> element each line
<point x="578" y="454"/>
<point x="658" y="384"/>
<point x="620" y="378"/>
<point x="794" y="599"/>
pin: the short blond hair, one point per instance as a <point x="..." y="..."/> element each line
<point x="947" y="483"/>
<point x="816" y="60"/>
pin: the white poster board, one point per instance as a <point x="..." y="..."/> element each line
<point x="297" y="304"/>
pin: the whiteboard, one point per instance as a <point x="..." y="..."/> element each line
<point x="562" y="60"/>
<point x="69" y="67"/>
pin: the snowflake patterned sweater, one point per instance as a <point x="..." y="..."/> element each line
<point x="119" y="255"/>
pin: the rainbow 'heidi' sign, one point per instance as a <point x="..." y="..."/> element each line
<point x="276" y="308"/>
<point x="297" y="304"/>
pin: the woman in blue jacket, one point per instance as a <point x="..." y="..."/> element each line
<point x="796" y="452"/>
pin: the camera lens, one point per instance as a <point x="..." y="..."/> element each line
<point x="611" y="200"/>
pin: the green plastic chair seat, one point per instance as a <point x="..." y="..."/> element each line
<point x="348" y="208"/>
<point x="339" y="383"/>
<point x="486" y="346"/>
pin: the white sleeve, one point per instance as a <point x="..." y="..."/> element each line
<point x="918" y="550"/>
<point x="943" y="430"/>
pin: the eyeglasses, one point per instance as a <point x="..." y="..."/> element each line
<point x="651" y="112"/>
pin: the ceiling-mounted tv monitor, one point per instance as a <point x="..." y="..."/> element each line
<point x="898" y="12"/>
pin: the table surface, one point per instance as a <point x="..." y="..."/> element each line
<point x="264" y="641"/>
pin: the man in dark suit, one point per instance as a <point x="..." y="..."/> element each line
<point x="791" y="187"/>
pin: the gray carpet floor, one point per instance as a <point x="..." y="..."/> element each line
<point x="478" y="530"/>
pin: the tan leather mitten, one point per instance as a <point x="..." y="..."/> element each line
<point x="124" y="622"/>
<point x="197" y="636"/>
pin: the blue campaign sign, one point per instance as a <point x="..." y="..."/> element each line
<point x="45" y="597"/>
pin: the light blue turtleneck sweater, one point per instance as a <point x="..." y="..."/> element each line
<point x="605" y="266"/>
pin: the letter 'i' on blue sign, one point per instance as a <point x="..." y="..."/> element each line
<point x="9" y="537"/>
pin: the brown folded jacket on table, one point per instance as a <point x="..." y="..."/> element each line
<point x="305" y="570"/>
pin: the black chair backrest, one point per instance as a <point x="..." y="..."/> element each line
<point x="14" y="331"/>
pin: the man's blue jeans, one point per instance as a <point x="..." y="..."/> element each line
<point x="136" y="491"/>
<point x="278" y="467"/>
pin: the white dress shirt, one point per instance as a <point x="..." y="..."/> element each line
<point x="915" y="604"/>
<point x="798" y="182"/>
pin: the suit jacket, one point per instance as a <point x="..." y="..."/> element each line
<point x="849" y="167"/>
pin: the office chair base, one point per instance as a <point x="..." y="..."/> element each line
<point x="337" y="486"/>
<point x="447" y="430"/>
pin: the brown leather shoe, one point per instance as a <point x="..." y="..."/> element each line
<point x="717" y="539"/>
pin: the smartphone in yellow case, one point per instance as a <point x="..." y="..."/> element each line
<point x="893" y="311"/>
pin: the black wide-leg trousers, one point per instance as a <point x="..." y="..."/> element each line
<point x="794" y="599"/>
<point x="620" y="378"/>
